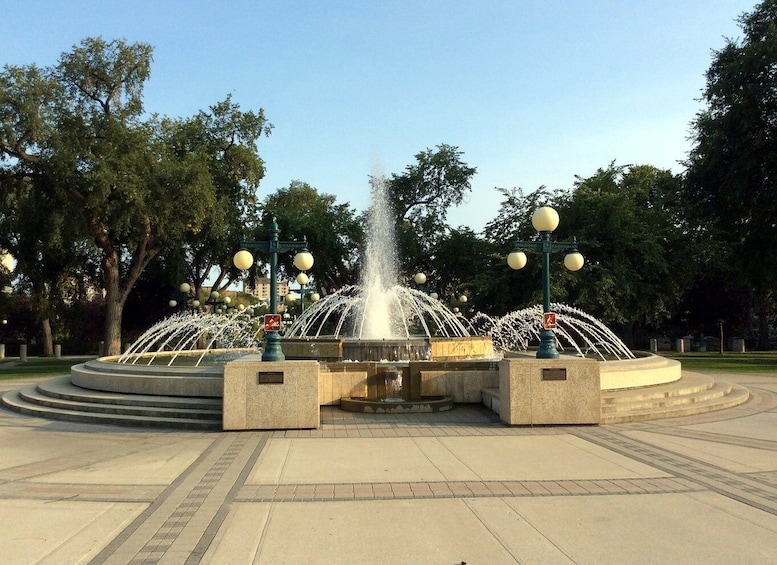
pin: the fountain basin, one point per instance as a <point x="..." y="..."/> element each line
<point x="422" y="405"/>
<point x="183" y="379"/>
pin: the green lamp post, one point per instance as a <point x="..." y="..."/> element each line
<point x="545" y="220"/>
<point x="303" y="261"/>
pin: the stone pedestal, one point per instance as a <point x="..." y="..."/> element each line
<point x="261" y="395"/>
<point x="549" y="391"/>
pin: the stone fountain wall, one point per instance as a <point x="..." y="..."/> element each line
<point x="461" y="380"/>
<point x="439" y="348"/>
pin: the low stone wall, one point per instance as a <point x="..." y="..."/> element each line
<point x="549" y="391"/>
<point x="107" y="375"/>
<point x="338" y="382"/>
<point x="321" y="349"/>
<point x="451" y="348"/>
<point x="440" y="348"/>
<point x="262" y="395"/>
<point x="646" y="370"/>
<point x="462" y="386"/>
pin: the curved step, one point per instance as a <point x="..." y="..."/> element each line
<point x="63" y="388"/>
<point x="27" y="401"/>
<point x="670" y="398"/>
<point x="694" y="393"/>
<point x="690" y="383"/>
<point x="31" y="395"/>
<point x="726" y="396"/>
<point x="145" y="380"/>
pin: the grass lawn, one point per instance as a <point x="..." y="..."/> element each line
<point x="36" y="367"/>
<point x="753" y="362"/>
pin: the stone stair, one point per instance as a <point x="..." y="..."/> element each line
<point x="694" y="393"/>
<point x="59" y="399"/>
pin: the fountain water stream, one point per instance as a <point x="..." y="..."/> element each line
<point x="193" y="333"/>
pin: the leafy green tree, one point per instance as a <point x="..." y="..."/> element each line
<point x="34" y="225"/>
<point x="135" y="185"/>
<point x="224" y="140"/>
<point x="731" y="188"/>
<point x="332" y="230"/>
<point x="421" y="197"/>
<point x="638" y="259"/>
<point x="627" y="222"/>
<point x="463" y="264"/>
<point x="54" y="266"/>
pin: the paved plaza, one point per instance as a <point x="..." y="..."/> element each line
<point x="448" y="488"/>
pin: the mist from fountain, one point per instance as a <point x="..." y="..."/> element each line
<point x="379" y="276"/>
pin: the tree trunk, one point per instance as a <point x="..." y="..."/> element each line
<point x="763" y="327"/>
<point x="114" y="305"/>
<point x="47" y="339"/>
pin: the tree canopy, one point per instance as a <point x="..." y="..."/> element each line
<point x="332" y="230"/>
<point x="731" y="188"/>
<point x="421" y="197"/>
<point x="137" y="185"/>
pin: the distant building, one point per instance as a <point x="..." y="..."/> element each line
<point x="260" y="288"/>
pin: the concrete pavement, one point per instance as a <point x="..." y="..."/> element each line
<point x="449" y="488"/>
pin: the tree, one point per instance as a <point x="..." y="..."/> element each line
<point x="224" y="140"/>
<point x="54" y="266"/>
<point x="135" y="185"/>
<point x="34" y="225"/>
<point x="627" y="222"/>
<point x="421" y="197"/>
<point x="638" y="260"/>
<point x="332" y="230"/>
<point x="731" y="188"/>
<point x="463" y="263"/>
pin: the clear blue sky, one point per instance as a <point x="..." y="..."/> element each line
<point x="533" y="92"/>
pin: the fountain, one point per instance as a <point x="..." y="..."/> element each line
<point x="576" y="329"/>
<point x="387" y="329"/>
<point x="381" y="347"/>
<point x="194" y="335"/>
<point x="380" y="319"/>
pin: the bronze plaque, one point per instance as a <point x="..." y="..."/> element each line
<point x="270" y="378"/>
<point x="559" y="374"/>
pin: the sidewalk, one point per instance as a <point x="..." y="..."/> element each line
<point x="448" y="488"/>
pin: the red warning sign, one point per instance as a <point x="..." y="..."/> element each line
<point x="272" y="322"/>
<point x="549" y="320"/>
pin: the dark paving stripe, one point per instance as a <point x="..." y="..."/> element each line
<point x="329" y="492"/>
<point x="748" y="489"/>
<point x="213" y="466"/>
